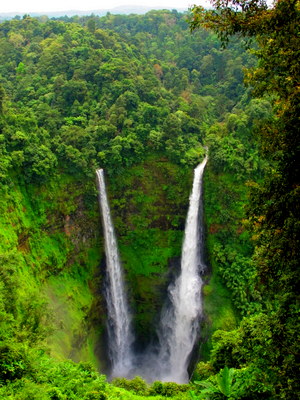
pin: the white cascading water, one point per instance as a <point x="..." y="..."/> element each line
<point x="119" y="318"/>
<point x="178" y="330"/>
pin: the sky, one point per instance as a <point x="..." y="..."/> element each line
<point x="27" y="6"/>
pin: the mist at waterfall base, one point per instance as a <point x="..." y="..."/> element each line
<point x="178" y="330"/>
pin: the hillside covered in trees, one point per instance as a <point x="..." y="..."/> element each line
<point x="143" y="97"/>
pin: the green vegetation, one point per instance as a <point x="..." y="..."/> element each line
<point x="38" y="245"/>
<point x="142" y="96"/>
<point x="149" y="210"/>
<point x="264" y="346"/>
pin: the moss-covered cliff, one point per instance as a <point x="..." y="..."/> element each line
<point x="51" y="250"/>
<point x="149" y="204"/>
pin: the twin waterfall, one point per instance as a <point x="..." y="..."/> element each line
<point x="178" y="330"/>
<point x="180" y="320"/>
<point x="119" y="319"/>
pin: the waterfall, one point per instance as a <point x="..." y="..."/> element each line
<point x="119" y="319"/>
<point x="178" y="330"/>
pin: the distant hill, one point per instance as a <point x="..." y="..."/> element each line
<point x="129" y="9"/>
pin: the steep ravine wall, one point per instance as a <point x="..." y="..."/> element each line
<point x="55" y="231"/>
<point x="149" y="204"/>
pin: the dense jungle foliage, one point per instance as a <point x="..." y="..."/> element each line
<point x="142" y="97"/>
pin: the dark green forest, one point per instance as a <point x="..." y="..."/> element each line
<point x="144" y="97"/>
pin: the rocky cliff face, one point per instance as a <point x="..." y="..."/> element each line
<point x="149" y="204"/>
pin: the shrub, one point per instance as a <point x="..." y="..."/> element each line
<point x="136" y="385"/>
<point x="167" y="389"/>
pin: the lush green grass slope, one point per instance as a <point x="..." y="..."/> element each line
<point x="51" y="257"/>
